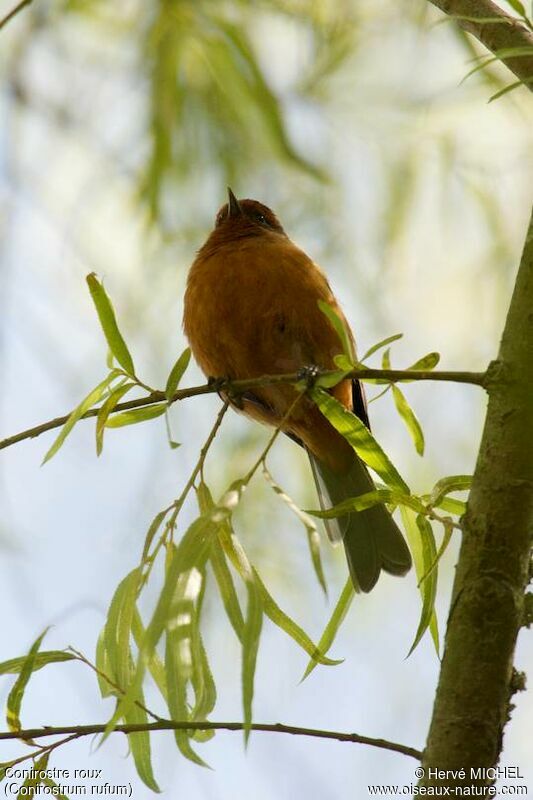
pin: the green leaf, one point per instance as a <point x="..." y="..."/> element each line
<point x="103" y="668"/>
<point x="327" y="381"/>
<point x="28" y="788"/>
<point x="452" y="506"/>
<point x="422" y="545"/>
<point x="452" y="483"/>
<point x="379" y="345"/>
<point x="106" y="409"/>
<point x="226" y="588"/>
<point x="517" y="6"/>
<point x="14" y="700"/>
<point x="152" y="530"/>
<point x="140" y="745"/>
<point x="136" y="415"/>
<point x="360" y="438"/>
<point x="427" y="362"/>
<point x="510" y="88"/>
<point x="14" y="665"/>
<point x="289" y="626"/>
<point x="177" y="373"/>
<point x="448" y="531"/>
<point x="179" y="656"/>
<point x="93" y="397"/>
<point x="341" y="327"/>
<point x="191" y="552"/>
<point x="408" y="415"/>
<point x="312" y="534"/>
<point x="117" y="633"/>
<point x="55" y="789"/>
<point x="330" y="631"/>
<point x="106" y="315"/>
<point x="368" y="500"/>
<point x="250" y="646"/>
<point x="154" y="663"/>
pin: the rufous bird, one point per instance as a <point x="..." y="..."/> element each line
<point x="251" y="309"/>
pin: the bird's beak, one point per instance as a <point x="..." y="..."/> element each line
<point x="234" y="208"/>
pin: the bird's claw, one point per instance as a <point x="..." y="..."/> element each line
<point x="308" y="374"/>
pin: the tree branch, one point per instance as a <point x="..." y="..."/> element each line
<point x="480" y="18"/>
<point x="169" y="725"/>
<point x="236" y="387"/>
<point x="14" y="12"/>
<point x="472" y="703"/>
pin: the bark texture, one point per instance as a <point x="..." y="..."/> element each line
<point x="472" y="703"/>
<point x="496" y="36"/>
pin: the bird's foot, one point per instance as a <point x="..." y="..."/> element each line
<point x="308" y="374"/>
<point x="226" y="391"/>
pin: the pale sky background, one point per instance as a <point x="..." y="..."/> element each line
<point x="435" y="261"/>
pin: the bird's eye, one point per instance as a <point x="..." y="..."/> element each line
<point x="260" y="218"/>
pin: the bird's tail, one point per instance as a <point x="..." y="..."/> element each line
<point x="371" y="538"/>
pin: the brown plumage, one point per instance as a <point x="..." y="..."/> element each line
<point x="251" y="308"/>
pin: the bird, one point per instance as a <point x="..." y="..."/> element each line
<point x="251" y="308"/>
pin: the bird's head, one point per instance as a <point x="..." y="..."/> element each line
<point x="240" y="218"/>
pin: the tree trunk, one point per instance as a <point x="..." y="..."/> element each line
<point x="476" y="682"/>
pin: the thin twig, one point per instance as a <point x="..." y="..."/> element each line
<point x="108" y="680"/>
<point x="236" y="387"/>
<point x="170" y="725"/>
<point x="14" y="12"/>
<point x="149" y="559"/>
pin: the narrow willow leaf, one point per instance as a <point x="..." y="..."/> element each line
<point x="152" y="530"/>
<point x="510" y="88"/>
<point x="452" y="483"/>
<point x="203" y="684"/>
<point x="226" y="588"/>
<point x="176" y="374"/>
<point x="14" y="665"/>
<point x="106" y="315"/>
<point x="452" y="506"/>
<point x="341" y="328"/>
<point x="313" y="541"/>
<point x="368" y="500"/>
<point x="343" y="363"/>
<point x="136" y="415"/>
<point x="448" y="531"/>
<point x="422" y="545"/>
<point x="517" y="6"/>
<point x="191" y="551"/>
<point x="140" y="745"/>
<point x="379" y="345"/>
<point x="289" y="626"/>
<point x="105" y="410"/>
<point x="179" y="666"/>
<point x="54" y="789"/>
<point x="103" y="668"/>
<point x="154" y="663"/>
<point x="313" y="538"/>
<point x="250" y="646"/>
<point x="427" y="362"/>
<point x="93" y="397"/>
<point x="330" y="631"/>
<point x="327" y="381"/>
<point x="172" y="443"/>
<point x="177" y="700"/>
<point x="409" y="417"/>
<point x="30" y="786"/>
<point x="208" y="698"/>
<point x="360" y="438"/>
<point x="14" y="700"/>
<point x="118" y="628"/>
